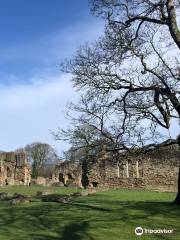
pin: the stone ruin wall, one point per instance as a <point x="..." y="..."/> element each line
<point x="68" y="173"/>
<point x="14" y="169"/>
<point x="161" y="169"/>
<point x="157" y="170"/>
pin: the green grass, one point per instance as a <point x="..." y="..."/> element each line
<point x="110" y="215"/>
<point x="31" y="191"/>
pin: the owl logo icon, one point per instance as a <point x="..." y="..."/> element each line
<point x="139" y="231"/>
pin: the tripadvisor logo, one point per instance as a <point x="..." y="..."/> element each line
<point x="139" y="231"/>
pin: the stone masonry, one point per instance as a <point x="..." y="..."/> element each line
<point x="14" y="169"/>
<point x="157" y="170"/>
<point x="68" y="173"/>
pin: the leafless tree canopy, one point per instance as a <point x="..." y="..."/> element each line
<point x="40" y="155"/>
<point x="130" y="78"/>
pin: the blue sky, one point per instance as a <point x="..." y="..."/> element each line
<point x="35" y="36"/>
<point x="32" y="32"/>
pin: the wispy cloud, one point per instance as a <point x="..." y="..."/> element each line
<point x="29" y="112"/>
<point x="50" y="49"/>
<point x="33" y="91"/>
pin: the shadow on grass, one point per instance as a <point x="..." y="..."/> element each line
<point x="74" y="221"/>
<point x="73" y="231"/>
<point x="91" y="207"/>
<point x="152" y="208"/>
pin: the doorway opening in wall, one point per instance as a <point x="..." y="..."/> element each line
<point x="61" y="178"/>
<point x="70" y="180"/>
<point x="95" y="184"/>
<point x="69" y="176"/>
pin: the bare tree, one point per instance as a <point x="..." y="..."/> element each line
<point x="130" y="78"/>
<point x="40" y="155"/>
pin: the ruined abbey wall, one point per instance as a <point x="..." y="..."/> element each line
<point x="14" y="169"/>
<point x="157" y="170"/>
<point x="68" y="173"/>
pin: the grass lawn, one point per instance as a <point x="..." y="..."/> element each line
<point x="108" y="215"/>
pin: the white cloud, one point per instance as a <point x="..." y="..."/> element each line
<point x="29" y="112"/>
<point x="32" y="106"/>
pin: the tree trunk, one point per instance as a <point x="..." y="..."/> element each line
<point x="85" y="180"/>
<point x="173" y="26"/>
<point x="177" y="199"/>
